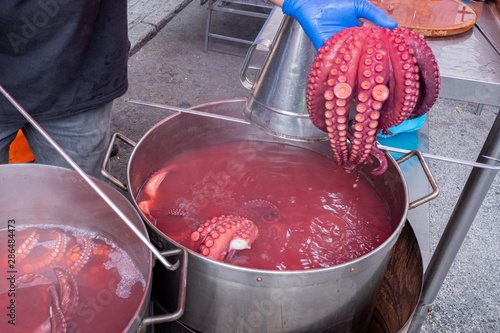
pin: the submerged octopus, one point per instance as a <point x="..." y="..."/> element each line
<point x="37" y="260"/>
<point x="219" y="237"/>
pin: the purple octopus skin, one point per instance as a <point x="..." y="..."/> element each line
<point x="68" y="291"/>
<point x="56" y="323"/>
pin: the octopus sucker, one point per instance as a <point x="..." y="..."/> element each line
<point x="34" y="261"/>
<point x="223" y="236"/>
<point x="342" y="81"/>
<point x="26" y="246"/>
<point x="393" y="75"/>
<point x="318" y="78"/>
<point x="79" y="255"/>
<point x="399" y="56"/>
<point x="428" y="71"/>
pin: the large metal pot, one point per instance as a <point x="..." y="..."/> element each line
<point x="226" y="298"/>
<point x="34" y="194"/>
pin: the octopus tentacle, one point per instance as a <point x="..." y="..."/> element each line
<point x="394" y="75"/>
<point x="31" y="277"/>
<point x="101" y="249"/>
<point x="383" y="165"/>
<point x="339" y="92"/>
<point x="25" y="248"/>
<point x="144" y="206"/>
<point x="318" y="76"/>
<point x="405" y="81"/>
<point x="68" y="291"/>
<point x="79" y="255"/>
<point x="53" y="254"/>
<point x="242" y="239"/>
<point x="151" y="188"/>
<point x="219" y="237"/>
<point x="428" y="69"/>
<point x="268" y="211"/>
<point x="57" y="320"/>
<point x="372" y="91"/>
<point x="154" y="182"/>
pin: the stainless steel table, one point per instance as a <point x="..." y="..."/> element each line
<point x="469" y="66"/>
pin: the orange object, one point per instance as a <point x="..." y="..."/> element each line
<point x="19" y="151"/>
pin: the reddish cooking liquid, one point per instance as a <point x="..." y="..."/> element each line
<point x="327" y="216"/>
<point x="110" y="286"/>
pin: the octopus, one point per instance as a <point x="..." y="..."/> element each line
<point x="220" y="237"/>
<point x="62" y="298"/>
<point x="53" y="255"/>
<point x="73" y="259"/>
<point x="391" y="74"/>
<point x="151" y="189"/>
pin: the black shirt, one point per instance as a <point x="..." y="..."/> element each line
<point x="59" y="57"/>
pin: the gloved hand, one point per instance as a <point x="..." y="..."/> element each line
<point x="320" y="19"/>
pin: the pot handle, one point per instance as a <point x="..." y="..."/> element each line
<point x="104" y="167"/>
<point x="427" y="171"/>
<point x="181" y="297"/>
<point x="244" y="79"/>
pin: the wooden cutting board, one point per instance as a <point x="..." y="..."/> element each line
<point x="431" y="17"/>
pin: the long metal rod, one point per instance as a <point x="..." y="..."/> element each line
<point x="392" y="149"/>
<point x="471" y="199"/>
<point x="89" y="181"/>
<point x="177" y="109"/>
<point x="446" y="159"/>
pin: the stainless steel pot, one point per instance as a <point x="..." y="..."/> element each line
<point x="34" y="194"/>
<point x="226" y="298"/>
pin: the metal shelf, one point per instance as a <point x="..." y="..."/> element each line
<point x="238" y="7"/>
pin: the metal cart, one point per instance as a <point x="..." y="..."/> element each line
<point x="253" y="8"/>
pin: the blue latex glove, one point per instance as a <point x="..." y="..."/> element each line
<point x="320" y="19"/>
<point x="406" y="126"/>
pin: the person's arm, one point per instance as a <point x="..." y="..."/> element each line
<point x="320" y="19"/>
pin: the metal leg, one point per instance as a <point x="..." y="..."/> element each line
<point x="479" y="109"/>
<point x="209" y="19"/>
<point x="466" y="209"/>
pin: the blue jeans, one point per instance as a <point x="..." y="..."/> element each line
<point x="83" y="136"/>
